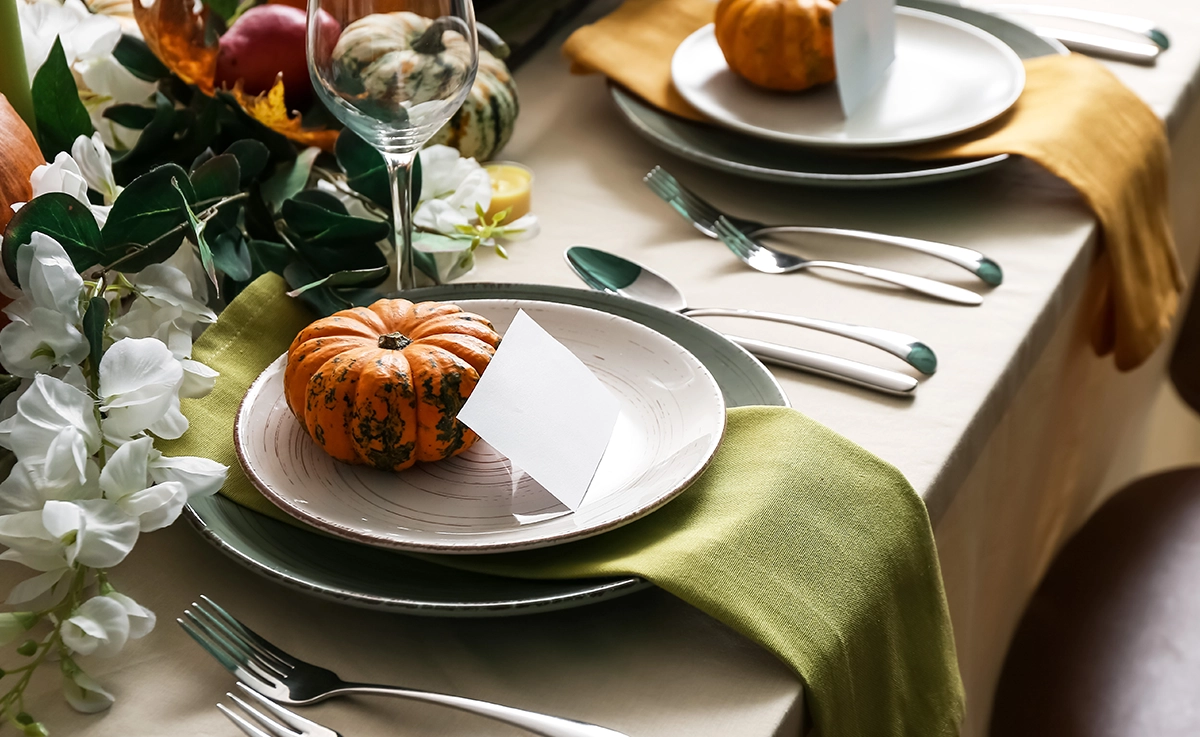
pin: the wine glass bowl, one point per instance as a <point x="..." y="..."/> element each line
<point x="394" y="72"/>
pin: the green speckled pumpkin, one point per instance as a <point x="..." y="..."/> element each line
<point x="430" y="58"/>
<point x="485" y="122"/>
<point x="382" y="385"/>
<point x="379" y="49"/>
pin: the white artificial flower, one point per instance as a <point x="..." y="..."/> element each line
<point x="93" y="533"/>
<point x="96" y="532"/>
<point x="187" y="261"/>
<point x="64" y="175"/>
<point x="452" y="188"/>
<point x="141" y="619"/>
<point x="140" y="381"/>
<point x="100" y="627"/>
<point x="84" y="35"/>
<point x="28" y="488"/>
<point x="126" y="481"/>
<point x="45" y="328"/>
<point x="84" y="694"/>
<point x="164" y="308"/>
<point x="55" y="427"/>
<point x="521" y="229"/>
<point x="201" y="477"/>
<point x="95" y="165"/>
<point x="72" y="375"/>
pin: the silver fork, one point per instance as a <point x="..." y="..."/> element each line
<point x="703" y="216"/>
<point x="769" y="261"/>
<point x="299" y="726"/>
<point x="285" y="678"/>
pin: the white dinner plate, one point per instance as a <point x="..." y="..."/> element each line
<point x="949" y="77"/>
<point x="672" y="419"/>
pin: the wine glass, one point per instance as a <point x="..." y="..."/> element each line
<point x="393" y="71"/>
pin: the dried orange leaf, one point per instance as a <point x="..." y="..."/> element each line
<point x="176" y="36"/>
<point x="270" y="110"/>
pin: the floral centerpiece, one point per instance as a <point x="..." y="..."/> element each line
<point x="139" y="206"/>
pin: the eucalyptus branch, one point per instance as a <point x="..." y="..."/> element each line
<point x="203" y="217"/>
<point x="338" y="180"/>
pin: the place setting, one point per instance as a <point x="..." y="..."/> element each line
<point x="245" y="268"/>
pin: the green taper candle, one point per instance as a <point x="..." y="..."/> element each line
<point x="14" y="77"/>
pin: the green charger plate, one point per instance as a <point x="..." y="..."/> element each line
<point x="373" y="578"/>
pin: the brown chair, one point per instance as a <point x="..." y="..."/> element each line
<point x="1110" y="644"/>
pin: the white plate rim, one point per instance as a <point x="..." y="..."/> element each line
<point x="863" y="143"/>
<point x="460" y="547"/>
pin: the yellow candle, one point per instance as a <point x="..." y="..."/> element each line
<point x="512" y="186"/>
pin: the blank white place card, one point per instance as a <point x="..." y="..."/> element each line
<point x="544" y="409"/>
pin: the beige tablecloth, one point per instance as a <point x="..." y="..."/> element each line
<point x="1022" y="432"/>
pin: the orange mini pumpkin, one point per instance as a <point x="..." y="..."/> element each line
<point x="382" y="385"/>
<point x="784" y="45"/>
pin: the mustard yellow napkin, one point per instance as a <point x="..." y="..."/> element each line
<point x="1074" y="118"/>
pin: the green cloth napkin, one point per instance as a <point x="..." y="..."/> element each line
<point x="794" y="536"/>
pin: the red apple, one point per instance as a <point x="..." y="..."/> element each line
<point x="265" y="41"/>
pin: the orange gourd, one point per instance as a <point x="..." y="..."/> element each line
<point x="784" y="45"/>
<point x="382" y="385"/>
<point x="19" y="156"/>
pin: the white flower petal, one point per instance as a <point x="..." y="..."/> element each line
<point x="108" y="77"/>
<point x="85" y="695"/>
<point x="155" y="507"/>
<point x="127" y="471"/>
<point x="139" y="385"/>
<point x="45" y="411"/>
<point x="198" y="379"/>
<point x="48" y="276"/>
<point x="141" y="619"/>
<point x="32" y="588"/>
<point x="95" y="163"/>
<point x="38" y="339"/>
<point x="62" y="175"/>
<point x="100" y="626"/>
<point x="30" y="543"/>
<point x="199" y="476"/>
<point x="103" y="533"/>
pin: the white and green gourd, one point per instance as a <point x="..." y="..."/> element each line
<point x="433" y="57"/>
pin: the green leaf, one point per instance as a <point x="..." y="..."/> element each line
<point x="252" y="157"/>
<point x="268" y="256"/>
<point x="355" y="278"/>
<point x="365" y="169"/>
<point x="197" y="232"/>
<point x="220" y="176"/>
<point x="136" y="56"/>
<point x="438" y="243"/>
<point x="130" y="116"/>
<point x="148" y="209"/>
<point x="322" y="199"/>
<point x="231" y="255"/>
<point x="94" y="321"/>
<point x="319" y="226"/>
<point x="260" y="224"/>
<point x="61" y="116"/>
<point x="155" y="143"/>
<point x="205" y="156"/>
<point x="323" y="300"/>
<point x="63" y="218"/>
<point x="289" y="179"/>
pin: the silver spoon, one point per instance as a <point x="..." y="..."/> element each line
<point x="608" y="272"/>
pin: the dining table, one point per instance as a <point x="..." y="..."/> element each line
<point x="1020" y="434"/>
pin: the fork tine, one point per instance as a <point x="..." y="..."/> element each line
<point x="264" y="645"/>
<point x="238" y="643"/>
<point x="242" y="724"/>
<point x="227" y="660"/>
<point x="733" y="238"/>
<point x="244" y="657"/>
<point x="287" y="716"/>
<point x="274" y="728"/>
<point x="696" y="203"/>
<point x="671" y="196"/>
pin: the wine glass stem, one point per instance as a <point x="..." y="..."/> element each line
<point x="400" y="175"/>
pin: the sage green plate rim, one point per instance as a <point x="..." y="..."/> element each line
<point x="771" y="161"/>
<point x="362" y="576"/>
